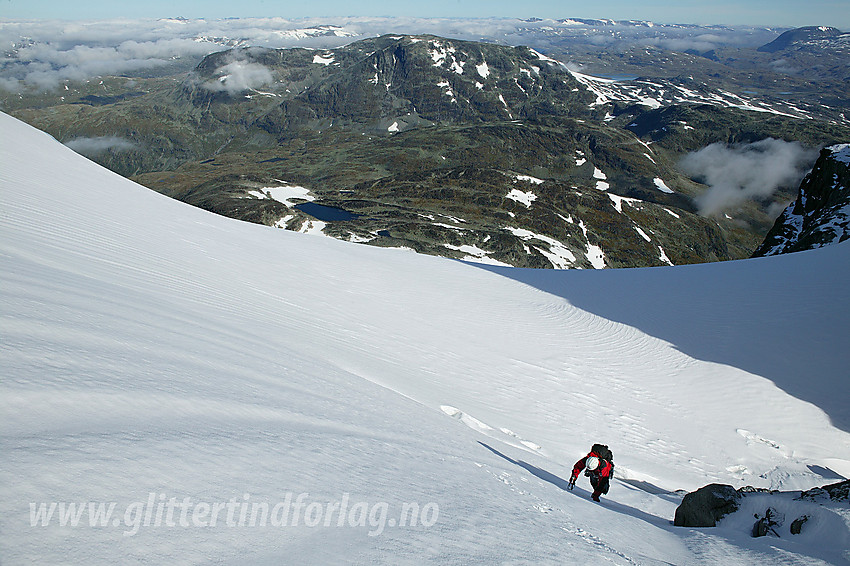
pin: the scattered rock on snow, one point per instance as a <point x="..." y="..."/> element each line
<point x="820" y="513"/>
<point x="797" y="524"/>
<point x="766" y="524"/>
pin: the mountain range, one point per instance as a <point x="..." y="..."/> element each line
<point x="468" y="150"/>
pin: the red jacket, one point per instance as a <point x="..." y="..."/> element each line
<point x="603" y="471"/>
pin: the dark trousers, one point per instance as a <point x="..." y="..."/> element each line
<point x="600" y="485"/>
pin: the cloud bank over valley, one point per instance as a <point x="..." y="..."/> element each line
<point x="44" y="54"/>
<point x="738" y="173"/>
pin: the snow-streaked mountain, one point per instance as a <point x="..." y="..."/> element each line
<point x="805" y="36"/>
<point x="153" y="352"/>
<point x="820" y="215"/>
<point x="658" y="93"/>
<point x="281" y="36"/>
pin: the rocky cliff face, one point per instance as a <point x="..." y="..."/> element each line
<point x="821" y="214"/>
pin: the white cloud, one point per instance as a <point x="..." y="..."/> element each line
<point x="46" y="65"/>
<point x="738" y="173"/>
<point x="101" y="144"/>
<point x="702" y="42"/>
<point x="239" y="76"/>
<point x="44" y="53"/>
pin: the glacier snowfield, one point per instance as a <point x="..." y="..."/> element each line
<point x="245" y="394"/>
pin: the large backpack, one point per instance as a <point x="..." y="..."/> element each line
<point x="603" y="451"/>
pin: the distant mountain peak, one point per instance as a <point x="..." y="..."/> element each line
<point x="800" y="36"/>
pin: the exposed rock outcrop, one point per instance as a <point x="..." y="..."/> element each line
<point x="707" y="505"/>
<point x="821" y="214"/>
<point x="833" y="492"/>
<point x="780" y="514"/>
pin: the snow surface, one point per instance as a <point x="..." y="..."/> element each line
<point x="556" y="252"/>
<point x="284" y="193"/>
<point x="155" y="353"/>
<point x="476" y="254"/>
<point x="661" y="185"/>
<point x="594" y="254"/>
<point x="601" y="184"/>
<point x="661" y="93"/>
<point x="323" y="60"/>
<point x="522" y="197"/>
<point x="642" y="234"/>
<point x="618" y="201"/>
<point x="841" y="152"/>
<point x="530" y="179"/>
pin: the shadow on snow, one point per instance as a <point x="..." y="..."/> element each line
<point x="780" y="317"/>
<point x="563" y="484"/>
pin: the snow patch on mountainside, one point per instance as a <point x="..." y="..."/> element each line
<point x="662" y="186"/>
<point x="656" y="93"/>
<point x="522" y="197"/>
<point x="555" y="251"/>
<point x="284" y="194"/>
<point x="326" y="59"/>
<point x="841" y="153"/>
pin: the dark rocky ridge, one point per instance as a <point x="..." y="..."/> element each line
<point x="821" y="213"/>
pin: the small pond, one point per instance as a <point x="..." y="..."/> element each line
<point x="325" y="213"/>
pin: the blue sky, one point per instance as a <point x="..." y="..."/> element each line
<point x="787" y="13"/>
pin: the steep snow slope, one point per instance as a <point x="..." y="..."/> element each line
<point x="784" y="320"/>
<point x="156" y="355"/>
